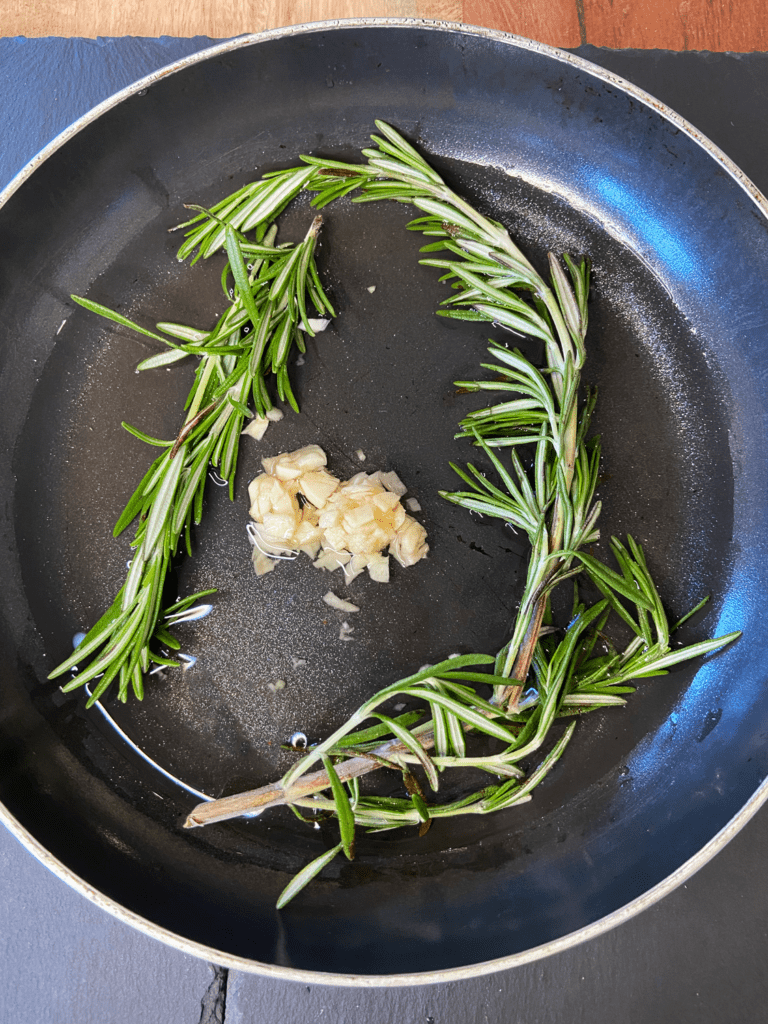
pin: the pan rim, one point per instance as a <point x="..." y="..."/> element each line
<point x="572" y="939"/>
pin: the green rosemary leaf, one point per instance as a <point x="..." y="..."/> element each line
<point x="162" y="359"/>
<point x="343" y="810"/>
<point x="163" y="502"/>
<point x="108" y="314"/>
<point x="443" y="746"/>
<point x="532" y="325"/>
<point x="377" y="731"/>
<point x="229" y="454"/>
<point x="463" y="314"/>
<point x="111" y="620"/>
<point x="137" y="499"/>
<point x="697" y="608"/>
<point x="284" y="389"/>
<point x="146" y="437"/>
<point x="592" y="699"/>
<point x="566" y="298"/>
<point x="197" y="471"/>
<point x="105" y="681"/>
<point x="244" y="411"/>
<point x="543" y="770"/>
<point x="299" y="881"/>
<point x="601" y="574"/>
<point x="281" y="340"/>
<point x="412" y="744"/>
<point x="466" y="714"/>
<point x="183" y="333"/>
<point x="240" y="275"/>
<point x="686" y="653"/>
<point x="187" y="602"/>
<point x="260" y="339"/>
<point x="121" y="635"/>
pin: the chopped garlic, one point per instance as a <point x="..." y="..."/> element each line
<point x="360" y="454"/>
<point x="345" y="630"/>
<point x="371" y="288"/>
<point x="393" y="483"/>
<point x="378" y="568"/>
<point x="315" y="324"/>
<point x="257" y="426"/>
<point x="340" y="524"/>
<point x="291" y="465"/>
<point x="262" y="563"/>
<point x="413" y="505"/>
<point x="409" y="544"/>
<point x="318" y="486"/>
<point x="339" y="603"/>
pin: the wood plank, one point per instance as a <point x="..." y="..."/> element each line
<point x="441" y="10"/>
<point x="737" y="25"/>
<point x="185" y="18"/>
<point x="555" y="22"/>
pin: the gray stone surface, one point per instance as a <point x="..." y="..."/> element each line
<point x="66" y="961"/>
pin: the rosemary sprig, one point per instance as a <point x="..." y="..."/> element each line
<point x="575" y="670"/>
<point x="265" y="317"/>
<point x="553" y="503"/>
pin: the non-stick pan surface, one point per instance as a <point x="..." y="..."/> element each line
<point x="569" y="158"/>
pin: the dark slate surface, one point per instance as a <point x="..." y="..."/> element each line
<point x="698" y="956"/>
<point x="64" y="961"/>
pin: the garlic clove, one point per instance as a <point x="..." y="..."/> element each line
<point x="392" y="482"/>
<point x="378" y="568"/>
<point x="409" y="544"/>
<point x="317" y="486"/>
<point x="262" y="563"/>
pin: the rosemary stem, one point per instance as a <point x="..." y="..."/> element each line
<point x="509" y="697"/>
<point x="275" y="794"/>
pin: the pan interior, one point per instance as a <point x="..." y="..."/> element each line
<point x="380" y="380"/>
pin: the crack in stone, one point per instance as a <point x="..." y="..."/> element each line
<point x="214" y="1002"/>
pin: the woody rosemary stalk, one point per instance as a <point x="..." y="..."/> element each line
<point x="571" y="670"/>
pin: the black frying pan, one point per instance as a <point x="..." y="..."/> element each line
<point x="568" y="158"/>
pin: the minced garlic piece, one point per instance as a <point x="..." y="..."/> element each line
<point x="339" y="603"/>
<point x="257" y="425"/>
<point x="338" y="524"/>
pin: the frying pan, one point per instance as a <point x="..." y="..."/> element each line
<point x="570" y="158"/>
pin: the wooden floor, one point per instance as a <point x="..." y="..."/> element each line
<point x="736" y="25"/>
